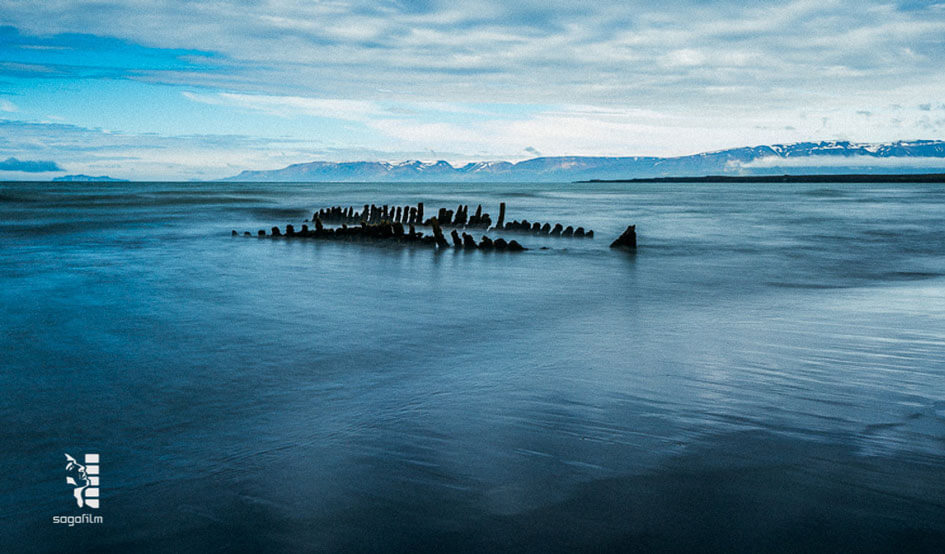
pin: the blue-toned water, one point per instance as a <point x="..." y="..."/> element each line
<point x="766" y="373"/>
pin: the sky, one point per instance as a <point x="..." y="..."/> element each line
<point x="171" y="90"/>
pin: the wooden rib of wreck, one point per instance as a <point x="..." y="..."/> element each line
<point x="628" y="240"/>
<point x="538" y="228"/>
<point x="459" y="218"/>
<point x="394" y="233"/>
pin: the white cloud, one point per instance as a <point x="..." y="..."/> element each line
<point x="661" y="54"/>
<point x="144" y="156"/>
<point x="683" y="58"/>
<point x="290" y="106"/>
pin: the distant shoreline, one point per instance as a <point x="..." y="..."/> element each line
<point x="820" y="178"/>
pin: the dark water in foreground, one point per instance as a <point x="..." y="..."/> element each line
<point x="766" y="373"/>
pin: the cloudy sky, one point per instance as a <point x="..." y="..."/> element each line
<point x="155" y="89"/>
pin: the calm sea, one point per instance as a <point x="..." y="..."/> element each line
<point x="766" y="373"/>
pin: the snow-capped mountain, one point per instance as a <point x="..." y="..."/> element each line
<point x="921" y="156"/>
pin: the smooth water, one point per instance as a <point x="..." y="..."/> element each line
<point x="767" y="372"/>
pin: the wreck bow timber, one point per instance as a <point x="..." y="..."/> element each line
<point x="398" y="224"/>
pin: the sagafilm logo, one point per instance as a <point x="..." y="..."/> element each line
<point x="83" y="477"/>
<point x="84" y="480"/>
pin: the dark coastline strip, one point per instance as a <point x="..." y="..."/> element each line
<point x="820" y="178"/>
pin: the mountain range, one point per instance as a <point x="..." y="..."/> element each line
<point x="86" y="178"/>
<point x="830" y="157"/>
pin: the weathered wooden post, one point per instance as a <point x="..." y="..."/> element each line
<point x="276" y="232"/>
<point x="476" y="219"/>
<point x="419" y="213"/>
<point x="501" y="223"/>
<point x="457" y="242"/>
<point x="628" y="240"/>
<point x="438" y="234"/>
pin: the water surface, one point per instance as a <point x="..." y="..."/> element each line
<point x="765" y="373"/>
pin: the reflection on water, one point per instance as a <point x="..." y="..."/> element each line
<point x="765" y="373"/>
